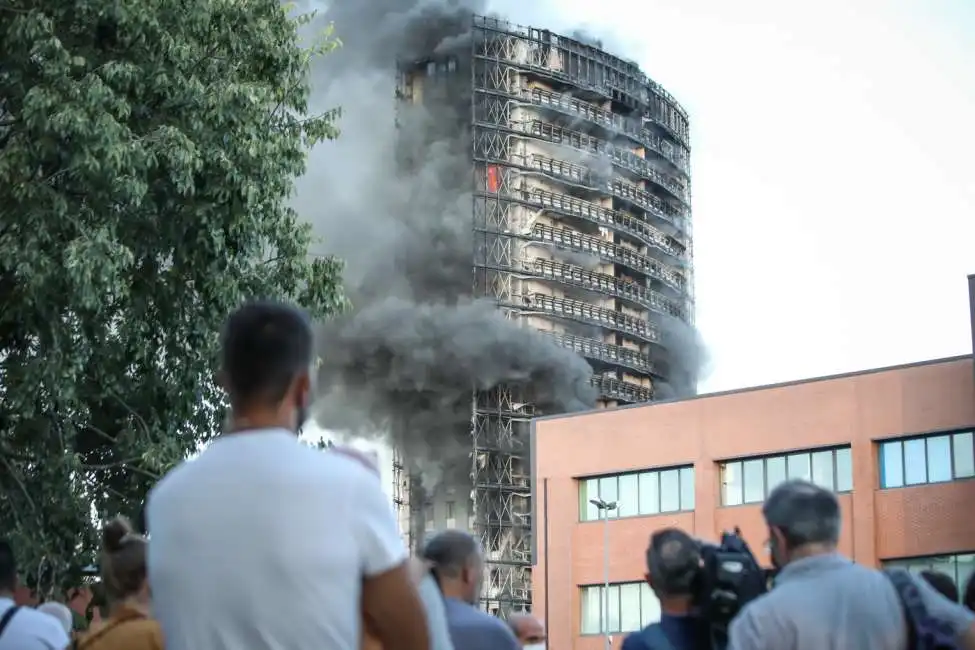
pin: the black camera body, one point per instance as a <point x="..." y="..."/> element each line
<point x="730" y="578"/>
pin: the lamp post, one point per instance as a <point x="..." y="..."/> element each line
<point x="605" y="507"/>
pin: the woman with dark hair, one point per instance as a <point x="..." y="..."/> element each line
<point x="123" y="569"/>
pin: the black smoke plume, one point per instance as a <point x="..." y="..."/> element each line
<point x="392" y="197"/>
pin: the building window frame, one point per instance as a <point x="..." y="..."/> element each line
<point x="917" y="564"/>
<point x="647" y="484"/>
<point x="842" y="482"/>
<point x="894" y="469"/>
<point x="621" y="620"/>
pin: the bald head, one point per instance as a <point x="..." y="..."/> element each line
<point x="529" y="630"/>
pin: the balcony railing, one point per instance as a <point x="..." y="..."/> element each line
<point x="605" y="352"/>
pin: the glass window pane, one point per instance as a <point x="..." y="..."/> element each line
<point x="915" y="466"/>
<point x="822" y="469"/>
<point x="614" y="609"/>
<point x="945" y="564"/>
<point x="669" y="490"/>
<point x="649" y="493"/>
<point x="629" y="496"/>
<point x="753" y="479"/>
<point x="608" y="493"/>
<point x="891" y="464"/>
<point x="687" y="488"/>
<point x="731" y="484"/>
<point x="588" y="490"/>
<point x="649" y="605"/>
<point x="964" y="452"/>
<point x="797" y="466"/>
<point x="939" y="459"/>
<point x="590" y="610"/>
<point x="844" y="470"/>
<point x="630" y="618"/>
<point x="774" y="472"/>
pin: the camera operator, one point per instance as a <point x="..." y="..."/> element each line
<point x="822" y="600"/>
<point x="673" y="565"/>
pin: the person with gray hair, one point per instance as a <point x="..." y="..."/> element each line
<point x="458" y="566"/>
<point x="673" y="564"/>
<point x="823" y="600"/>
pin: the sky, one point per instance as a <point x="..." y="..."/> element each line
<point x="832" y="170"/>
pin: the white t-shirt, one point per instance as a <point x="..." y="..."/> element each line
<point x="262" y="543"/>
<point x="30" y="629"/>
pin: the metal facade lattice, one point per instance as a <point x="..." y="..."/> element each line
<point x="581" y="216"/>
<point x="576" y="151"/>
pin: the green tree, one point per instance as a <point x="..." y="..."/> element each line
<point x="148" y="149"/>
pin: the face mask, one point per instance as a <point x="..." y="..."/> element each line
<point x="535" y="646"/>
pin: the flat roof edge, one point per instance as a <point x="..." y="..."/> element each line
<point x="752" y="389"/>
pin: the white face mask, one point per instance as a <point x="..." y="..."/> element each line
<point x="535" y="646"/>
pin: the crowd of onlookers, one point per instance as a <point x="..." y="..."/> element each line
<point x="264" y="543"/>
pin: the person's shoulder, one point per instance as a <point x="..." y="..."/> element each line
<point x="172" y="482"/>
<point x="489" y="629"/>
<point x="473" y="617"/>
<point x="636" y="640"/>
<point x="495" y="625"/>
<point x="41" y="626"/>
<point x="144" y="633"/>
<point x="759" y="611"/>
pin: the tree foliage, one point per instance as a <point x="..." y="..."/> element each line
<point x="148" y="149"/>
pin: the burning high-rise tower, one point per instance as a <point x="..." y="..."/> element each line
<point x="577" y="171"/>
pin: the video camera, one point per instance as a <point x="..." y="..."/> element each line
<point x="730" y="578"/>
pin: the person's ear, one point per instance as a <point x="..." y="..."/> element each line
<point x="301" y="389"/>
<point x="780" y="542"/>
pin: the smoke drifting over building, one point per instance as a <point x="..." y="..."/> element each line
<point x="514" y="209"/>
<point x="406" y="360"/>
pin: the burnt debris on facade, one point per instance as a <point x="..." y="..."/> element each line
<point x="580" y="207"/>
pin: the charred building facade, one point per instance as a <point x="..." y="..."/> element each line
<point x="580" y="208"/>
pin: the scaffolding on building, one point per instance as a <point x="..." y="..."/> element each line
<point x="507" y="199"/>
<point x="544" y="110"/>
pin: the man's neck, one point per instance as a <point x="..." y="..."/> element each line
<point x="453" y="592"/>
<point x="257" y="421"/>
<point x="675" y="606"/>
<point x="811" y="550"/>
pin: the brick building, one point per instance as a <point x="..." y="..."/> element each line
<point x="896" y="444"/>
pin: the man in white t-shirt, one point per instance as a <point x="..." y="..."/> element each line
<point x="23" y="628"/>
<point x="262" y="542"/>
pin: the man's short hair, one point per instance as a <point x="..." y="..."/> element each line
<point x="942" y="583"/>
<point x="673" y="562"/>
<point x="8" y="567"/>
<point x="265" y="345"/>
<point x="805" y="513"/>
<point x="450" y="552"/>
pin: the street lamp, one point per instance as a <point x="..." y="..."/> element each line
<point x="605" y="507"/>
